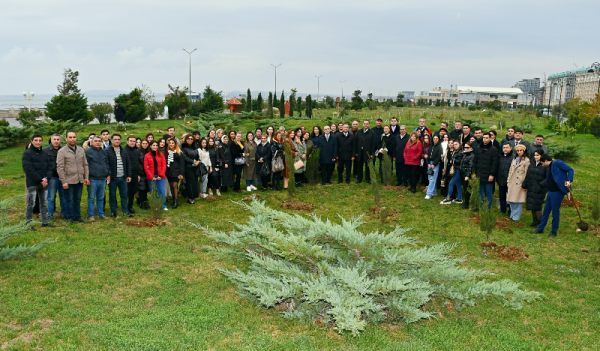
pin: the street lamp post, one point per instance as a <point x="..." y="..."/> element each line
<point x="318" y="86"/>
<point x="190" y="62"/>
<point x="28" y="97"/>
<point x="275" y="77"/>
<point x="342" y="81"/>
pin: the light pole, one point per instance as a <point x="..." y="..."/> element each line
<point x="28" y="97"/>
<point x="342" y="81"/>
<point x="275" y="93"/>
<point x="190" y="87"/>
<point x="318" y="86"/>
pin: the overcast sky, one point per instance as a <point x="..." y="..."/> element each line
<point x="387" y="45"/>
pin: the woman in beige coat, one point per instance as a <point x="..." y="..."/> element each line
<point x="517" y="192"/>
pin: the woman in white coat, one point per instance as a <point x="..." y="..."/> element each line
<point x="517" y="194"/>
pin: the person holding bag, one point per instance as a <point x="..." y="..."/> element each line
<point x="516" y="182"/>
<point x="205" y="166"/>
<point x="250" y="166"/>
<point x="226" y="164"/>
<point x="239" y="160"/>
<point x="263" y="161"/>
<point x="300" y="159"/>
<point x="278" y="161"/>
<point x="191" y="161"/>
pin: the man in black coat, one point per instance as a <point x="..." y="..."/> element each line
<point x="365" y="150"/>
<point x="54" y="184"/>
<point x="486" y="168"/>
<point x="466" y="136"/>
<point x="455" y="134"/>
<point x="504" y="162"/>
<point x="401" y="169"/>
<point x="119" y="114"/>
<point x="137" y="170"/>
<point x="394" y="128"/>
<point x="38" y="171"/>
<point x="354" y="131"/>
<point x="328" y="156"/>
<point x="120" y="175"/>
<point x="346" y="153"/>
<point x="519" y="141"/>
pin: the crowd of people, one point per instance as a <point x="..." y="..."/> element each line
<point x="199" y="166"/>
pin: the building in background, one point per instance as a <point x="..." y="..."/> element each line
<point x="587" y="84"/>
<point x="508" y="97"/>
<point x="528" y="86"/>
<point x="439" y="94"/>
<point x="408" y="95"/>
<point x="560" y="87"/>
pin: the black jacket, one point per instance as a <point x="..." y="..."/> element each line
<point x="277" y="149"/>
<point x="378" y="132"/>
<point x="486" y="162"/>
<point x="137" y="168"/>
<point x="189" y="156"/>
<point x="465" y="139"/>
<point x="396" y="131"/>
<point x="346" y="146"/>
<point x="400" y="145"/>
<point x="112" y="162"/>
<point x="236" y="150"/>
<point x="263" y="152"/>
<point x="504" y="162"/>
<point x="176" y="167"/>
<point x="226" y="159"/>
<point x="455" y="134"/>
<point x="97" y="163"/>
<point x="51" y="152"/>
<point x="365" y="144"/>
<point x="536" y="186"/>
<point x="120" y="113"/>
<point x="329" y="149"/>
<point x="435" y="154"/>
<point x="36" y="165"/>
<point x="466" y="164"/>
<point x="215" y="158"/>
<point x="390" y="144"/>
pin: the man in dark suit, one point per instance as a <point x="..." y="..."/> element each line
<point x="365" y="149"/>
<point x="354" y="131"/>
<point x="346" y="152"/>
<point x="558" y="181"/>
<point x="394" y="128"/>
<point x="401" y="170"/>
<point x="455" y="134"/>
<point x="328" y="156"/>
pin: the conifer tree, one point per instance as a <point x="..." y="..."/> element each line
<point x="289" y="160"/>
<point x="299" y="106"/>
<point x="70" y="103"/>
<point x="313" y="167"/>
<point x="248" y="100"/>
<point x="474" y="190"/>
<point x="270" y="105"/>
<point x="318" y="269"/>
<point x="282" y="105"/>
<point x="292" y="102"/>
<point x="308" y="103"/>
<point x="386" y="166"/>
<point x="259" y="103"/>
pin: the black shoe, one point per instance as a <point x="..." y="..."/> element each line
<point x="358" y="181"/>
<point x="552" y="235"/>
<point x="70" y="221"/>
<point x="533" y="225"/>
<point x="339" y="182"/>
<point x="79" y="220"/>
<point x="368" y="181"/>
<point x="48" y="225"/>
<point x="32" y="229"/>
<point x="537" y="231"/>
<point x="113" y="215"/>
<point x="348" y="181"/>
<point x="128" y="215"/>
<point x="131" y="210"/>
<point x="175" y="204"/>
<point x="475" y="210"/>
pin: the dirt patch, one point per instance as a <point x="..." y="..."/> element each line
<point x="4" y="182"/>
<point x="502" y="223"/>
<point x="506" y="253"/>
<point x="211" y="198"/>
<point x="297" y="206"/>
<point x="389" y="213"/>
<point x="146" y="222"/>
<point x="393" y="187"/>
<point x="252" y="197"/>
<point x="570" y="202"/>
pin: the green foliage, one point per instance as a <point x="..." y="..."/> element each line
<point x="212" y="101"/>
<point x="27" y="118"/>
<point x="70" y="104"/>
<point x="102" y="112"/>
<point x="308" y="106"/>
<point x="551" y="124"/>
<point x="249" y="101"/>
<point x="13" y="136"/>
<point x="49" y="127"/>
<point x="154" y="109"/>
<point x="270" y="105"/>
<point x="386" y="167"/>
<point x="10" y="230"/>
<point x="177" y="102"/>
<point x="474" y="190"/>
<point x="257" y="105"/>
<point x="565" y="152"/>
<point x="299" y="106"/>
<point x="375" y="188"/>
<point x="282" y="105"/>
<point x="292" y="102"/>
<point x="155" y="202"/>
<point x="4" y="123"/>
<point x="357" y="101"/>
<point x="334" y="273"/>
<point x="134" y="104"/>
<point x="595" y="127"/>
<point x="289" y="160"/>
<point x="487" y="219"/>
<point x="579" y="112"/>
<point x="596" y="205"/>
<point x="313" y="167"/>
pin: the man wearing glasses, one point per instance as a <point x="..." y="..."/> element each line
<point x="120" y="175"/>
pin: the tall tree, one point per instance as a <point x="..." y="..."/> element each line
<point x="282" y="105"/>
<point x="357" y="101"/>
<point x="212" y="100"/>
<point x="248" y="100"/>
<point x="177" y="102"/>
<point x="134" y="104"/>
<point x="275" y="102"/>
<point x="270" y="105"/>
<point x="299" y="106"/>
<point x="258" y="103"/>
<point x="309" y="106"/>
<point x="292" y="102"/>
<point x="70" y="103"/>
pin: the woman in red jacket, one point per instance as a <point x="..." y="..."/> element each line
<point x="155" y="167"/>
<point x="412" y="159"/>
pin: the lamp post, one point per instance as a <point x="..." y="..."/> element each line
<point x="275" y="93"/>
<point x="342" y="81"/>
<point x="318" y="86"/>
<point x="190" y="87"/>
<point x="28" y="96"/>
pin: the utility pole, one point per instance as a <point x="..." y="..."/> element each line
<point x="190" y="87"/>
<point x="275" y="76"/>
<point x="342" y="88"/>
<point x="318" y="86"/>
<point x="28" y="97"/>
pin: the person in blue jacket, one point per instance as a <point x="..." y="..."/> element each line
<point x="558" y="182"/>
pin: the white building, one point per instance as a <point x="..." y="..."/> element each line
<point x="481" y="95"/>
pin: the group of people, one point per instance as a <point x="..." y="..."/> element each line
<point x="202" y="166"/>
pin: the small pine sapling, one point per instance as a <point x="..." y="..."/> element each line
<point x="156" y="202"/>
<point x="474" y="190"/>
<point x="487" y="220"/>
<point x="313" y="167"/>
<point x="289" y="160"/>
<point x="596" y="206"/>
<point x="386" y="166"/>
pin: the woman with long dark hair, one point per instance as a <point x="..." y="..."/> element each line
<point x="205" y="166"/>
<point x="155" y="168"/>
<point x="466" y="170"/>
<point x="227" y="164"/>
<point x="517" y="182"/>
<point x="289" y="140"/>
<point x="300" y="156"/>
<point x="453" y="161"/>
<point x="191" y="160"/>
<point x="142" y="184"/>
<point x="250" y="166"/>
<point x="175" y="168"/>
<point x="536" y="187"/>
<point x="263" y="161"/>
<point x="162" y="145"/>
<point x="214" y="180"/>
<point x="425" y="158"/>
<point x="316" y="135"/>
<point x="277" y="152"/>
<point x="237" y="153"/>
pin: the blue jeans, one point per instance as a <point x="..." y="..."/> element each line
<point x="121" y="184"/>
<point x="250" y="182"/>
<point x="96" y="191"/>
<point x="55" y="185"/>
<point x="455" y="181"/>
<point x="486" y="191"/>
<point x="515" y="210"/>
<point x="160" y="188"/>
<point x="73" y="201"/>
<point x="553" y="202"/>
<point x="431" y="190"/>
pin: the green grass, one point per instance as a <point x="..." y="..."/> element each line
<point x="104" y="285"/>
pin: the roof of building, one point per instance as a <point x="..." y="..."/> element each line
<point x="233" y="101"/>
<point x="489" y="90"/>
<point x="573" y="71"/>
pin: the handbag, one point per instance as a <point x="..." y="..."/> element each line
<point x="299" y="164"/>
<point x="264" y="170"/>
<point x="429" y="171"/>
<point x="451" y="170"/>
<point x="240" y="161"/>
<point x="277" y="163"/>
<point x="203" y="169"/>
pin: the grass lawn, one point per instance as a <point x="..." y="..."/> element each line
<point x="105" y="285"/>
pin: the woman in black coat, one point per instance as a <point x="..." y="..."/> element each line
<point x="263" y="161"/>
<point x="535" y="183"/>
<point x="466" y="170"/>
<point x="237" y="150"/>
<point x="390" y="144"/>
<point x="227" y="164"/>
<point x="142" y="184"/>
<point x="214" y="179"/>
<point x="190" y="159"/>
<point x="277" y="153"/>
<point x="175" y="167"/>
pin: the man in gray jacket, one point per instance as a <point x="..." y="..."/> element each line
<point x="538" y="144"/>
<point x="99" y="177"/>
<point x="72" y="168"/>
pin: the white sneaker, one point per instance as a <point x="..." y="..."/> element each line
<point x="204" y="196"/>
<point x="253" y="187"/>
<point x="248" y="188"/>
<point x="427" y="197"/>
<point x="166" y="209"/>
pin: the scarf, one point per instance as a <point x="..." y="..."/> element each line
<point x="170" y="158"/>
<point x="239" y="144"/>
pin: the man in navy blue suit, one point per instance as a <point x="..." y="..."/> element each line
<point x="558" y="182"/>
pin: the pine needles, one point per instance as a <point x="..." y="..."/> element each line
<point x="289" y="160"/>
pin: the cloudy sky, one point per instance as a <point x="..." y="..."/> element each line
<point x="385" y="45"/>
